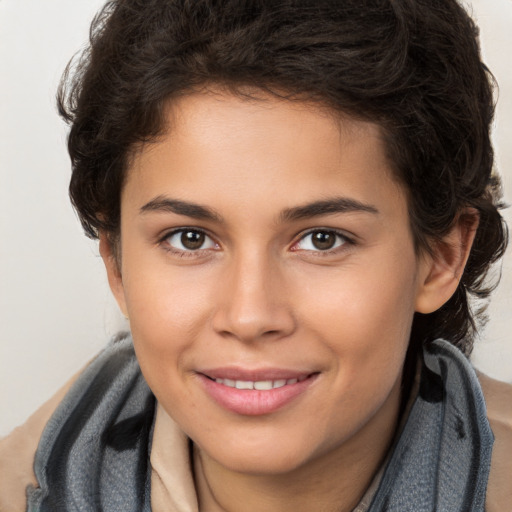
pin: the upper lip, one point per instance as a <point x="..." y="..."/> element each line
<point x="254" y="375"/>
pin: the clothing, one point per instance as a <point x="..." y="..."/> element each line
<point x="442" y="455"/>
<point x="94" y="451"/>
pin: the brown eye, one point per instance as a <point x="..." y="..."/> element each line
<point x="187" y="240"/>
<point x="192" y="240"/>
<point x="323" y="240"/>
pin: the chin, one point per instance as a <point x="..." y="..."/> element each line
<point x="268" y="455"/>
<point x="263" y="464"/>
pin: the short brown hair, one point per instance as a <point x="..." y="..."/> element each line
<point x="411" y="66"/>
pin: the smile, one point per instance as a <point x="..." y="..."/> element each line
<point x="260" y="385"/>
<point x="263" y="394"/>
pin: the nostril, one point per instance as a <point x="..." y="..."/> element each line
<point x="250" y="320"/>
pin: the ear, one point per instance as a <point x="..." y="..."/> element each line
<point x="113" y="267"/>
<point x="442" y="269"/>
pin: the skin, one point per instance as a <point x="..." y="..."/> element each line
<point x="258" y="293"/>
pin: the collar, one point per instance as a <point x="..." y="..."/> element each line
<point x="440" y="459"/>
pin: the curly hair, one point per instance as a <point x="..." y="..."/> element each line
<point x="411" y="66"/>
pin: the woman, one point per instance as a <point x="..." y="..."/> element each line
<point x="293" y="203"/>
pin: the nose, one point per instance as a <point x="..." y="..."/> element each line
<point x="252" y="303"/>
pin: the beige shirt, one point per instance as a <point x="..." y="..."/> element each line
<point x="172" y="485"/>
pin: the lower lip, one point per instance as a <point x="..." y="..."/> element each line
<point x="252" y="402"/>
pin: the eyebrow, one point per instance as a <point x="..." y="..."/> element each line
<point x="314" y="209"/>
<point x="186" y="208"/>
<point x="327" y="207"/>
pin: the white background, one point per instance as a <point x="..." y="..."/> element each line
<point x="55" y="309"/>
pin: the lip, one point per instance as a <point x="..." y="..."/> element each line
<point x="252" y="402"/>
<point x="254" y="375"/>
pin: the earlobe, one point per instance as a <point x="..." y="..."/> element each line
<point x="441" y="270"/>
<point x="114" y="275"/>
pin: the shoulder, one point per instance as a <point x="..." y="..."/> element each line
<point x="18" y="449"/>
<point x="498" y="398"/>
<point x="17" y="453"/>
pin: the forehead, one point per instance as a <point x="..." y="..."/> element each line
<point x="223" y="147"/>
<point x="256" y="116"/>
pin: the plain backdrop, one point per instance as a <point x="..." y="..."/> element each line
<point x="55" y="308"/>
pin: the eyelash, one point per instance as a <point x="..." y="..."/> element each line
<point x="185" y="253"/>
<point x="346" y="242"/>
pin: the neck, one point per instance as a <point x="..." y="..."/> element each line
<point x="335" y="481"/>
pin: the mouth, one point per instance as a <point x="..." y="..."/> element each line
<point x="260" y="385"/>
<point x="255" y="395"/>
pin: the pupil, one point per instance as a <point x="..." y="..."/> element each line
<point x="323" y="240"/>
<point x="192" y="239"/>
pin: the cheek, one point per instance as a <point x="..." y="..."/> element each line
<point x="364" y="315"/>
<point x="162" y="299"/>
<point x="167" y="311"/>
<point x="365" y="325"/>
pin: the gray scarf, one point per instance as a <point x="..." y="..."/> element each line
<point x="94" y="452"/>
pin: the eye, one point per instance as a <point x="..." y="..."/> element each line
<point x="187" y="240"/>
<point x="321" y="240"/>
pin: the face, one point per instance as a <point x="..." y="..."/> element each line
<point x="269" y="276"/>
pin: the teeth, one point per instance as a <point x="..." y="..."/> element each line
<point x="244" y="384"/>
<point x="261" y="385"/>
